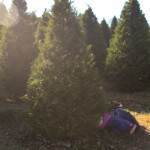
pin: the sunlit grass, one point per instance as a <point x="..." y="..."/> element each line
<point x="143" y="119"/>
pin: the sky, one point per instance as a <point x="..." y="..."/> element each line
<point x="106" y="9"/>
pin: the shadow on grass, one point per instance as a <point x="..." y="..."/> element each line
<point x="10" y="117"/>
<point x="139" y="102"/>
<point x="139" y="108"/>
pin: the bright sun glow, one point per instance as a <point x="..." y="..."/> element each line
<point x="6" y="18"/>
<point x="102" y="8"/>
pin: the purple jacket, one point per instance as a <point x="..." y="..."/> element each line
<point x="104" y="120"/>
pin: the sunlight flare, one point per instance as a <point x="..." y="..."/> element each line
<point x="8" y="16"/>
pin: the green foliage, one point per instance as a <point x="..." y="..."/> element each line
<point x="18" y="56"/>
<point x="21" y="6"/>
<point x="105" y="31"/>
<point x="3" y="14"/>
<point x="41" y="29"/>
<point x="3" y="32"/>
<point x="94" y="37"/>
<point x="64" y="83"/>
<point x="113" y="25"/>
<point x="128" y="54"/>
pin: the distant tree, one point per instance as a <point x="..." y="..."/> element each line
<point x="21" y="6"/>
<point x="113" y="25"/>
<point x="105" y="31"/>
<point x="64" y="84"/>
<point x="94" y="37"/>
<point x="128" y="59"/>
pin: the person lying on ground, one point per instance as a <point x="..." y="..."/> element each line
<point x="118" y="110"/>
<point x="116" y="124"/>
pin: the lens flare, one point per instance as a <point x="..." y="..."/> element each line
<point x="8" y="17"/>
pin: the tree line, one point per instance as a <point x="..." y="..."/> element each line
<point x="60" y="60"/>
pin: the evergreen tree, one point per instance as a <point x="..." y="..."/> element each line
<point x="94" y="37"/>
<point x="41" y="29"/>
<point x="105" y="31"/>
<point x="3" y="32"/>
<point x="3" y="15"/>
<point x="113" y="25"/>
<point x="21" y="6"/>
<point x="128" y="56"/>
<point x="19" y="54"/>
<point x="64" y="85"/>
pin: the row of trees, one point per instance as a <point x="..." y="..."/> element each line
<point x="22" y="42"/>
<point x="128" y="59"/>
<point x="59" y="60"/>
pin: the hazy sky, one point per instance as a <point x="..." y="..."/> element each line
<point x="101" y="8"/>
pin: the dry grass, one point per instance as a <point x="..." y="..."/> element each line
<point x="143" y="119"/>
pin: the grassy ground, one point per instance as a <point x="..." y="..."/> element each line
<point x="13" y="128"/>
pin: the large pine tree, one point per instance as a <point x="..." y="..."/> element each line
<point x="94" y="37"/>
<point x="20" y="52"/>
<point x="64" y="85"/>
<point x="3" y="32"/>
<point x="129" y="52"/>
